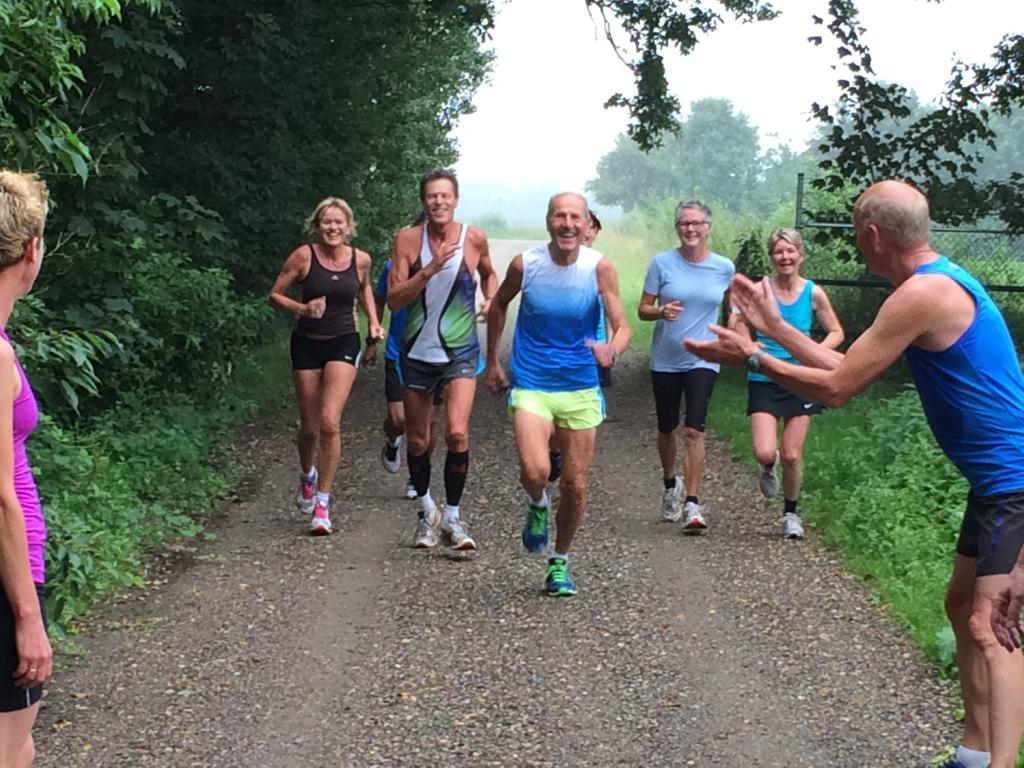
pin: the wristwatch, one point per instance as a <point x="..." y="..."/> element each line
<point x="754" y="361"/>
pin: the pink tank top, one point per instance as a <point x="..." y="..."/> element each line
<point x="26" y="415"/>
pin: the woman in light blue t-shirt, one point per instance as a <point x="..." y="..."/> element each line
<point x="799" y="301"/>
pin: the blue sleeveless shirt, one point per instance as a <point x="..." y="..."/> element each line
<point x="558" y="314"/>
<point x="799" y="314"/>
<point x="973" y="392"/>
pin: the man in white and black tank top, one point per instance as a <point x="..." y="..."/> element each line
<point x="433" y="275"/>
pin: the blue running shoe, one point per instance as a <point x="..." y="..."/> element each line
<point x="559" y="583"/>
<point x="535" y="529"/>
<point x="953" y="763"/>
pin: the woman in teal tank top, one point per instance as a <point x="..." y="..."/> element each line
<point x="799" y="301"/>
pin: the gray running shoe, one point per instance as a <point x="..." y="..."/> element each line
<point x="454" y="535"/>
<point x="792" y="527"/>
<point x="670" y="509"/>
<point x="694" y="522"/>
<point x="391" y="455"/>
<point x="768" y="480"/>
<point x="426" y="534"/>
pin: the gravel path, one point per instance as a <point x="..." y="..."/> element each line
<point x="265" y="647"/>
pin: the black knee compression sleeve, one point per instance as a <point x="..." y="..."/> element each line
<point x="419" y="472"/>
<point x="456" y="464"/>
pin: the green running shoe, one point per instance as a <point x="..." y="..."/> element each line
<point x="559" y="583"/>
<point x="535" y="529"/>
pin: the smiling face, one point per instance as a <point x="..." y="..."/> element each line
<point x="334" y="226"/>
<point x="786" y="257"/>
<point x="692" y="228"/>
<point x="568" y="221"/>
<point x="439" y="201"/>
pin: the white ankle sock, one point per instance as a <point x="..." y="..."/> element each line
<point x="323" y="498"/>
<point x="543" y="501"/>
<point x="558" y="555"/>
<point x="972" y="758"/>
<point x="451" y="514"/>
<point x="308" y="477"/>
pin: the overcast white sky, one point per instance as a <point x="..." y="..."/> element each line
<point x="540" y="118"/>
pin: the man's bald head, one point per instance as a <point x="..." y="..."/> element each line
<point x="898" y="210"/>
<point x="556" y="199"/>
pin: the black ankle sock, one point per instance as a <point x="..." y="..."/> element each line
<point x="693" y="499"/>
<point x="790" y="507"/>
<point x="456" y="464"/>
<point x="670" y="483"/>
<point x="419" y="472"/>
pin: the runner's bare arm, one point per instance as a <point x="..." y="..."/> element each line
<point x="295" y="268"/>
<point x="366" y="298"/>
<point x="494" y="375"/>
<point x="828" y="319"/>
<point x="485" y="268"/>
<point x="608" y="285"/>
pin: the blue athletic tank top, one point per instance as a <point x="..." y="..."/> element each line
<point x="441" y="324"/>
<point x="558" y="313"/>
<point x="799" y="314"/>
<point x="973" y="392"/>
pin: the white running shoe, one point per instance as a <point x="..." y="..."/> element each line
<point x="391" y="455"/>
<point x="320" y="525"/>
<point x="694" y="522"/>
<point x="426" y="526"/>
<point x="306" y="497"/>
<point x="792" y="526"/>
<point x="410" y="491"/>
<point x="670" y="510"/>
<point x="454" y="535"/>
<point x="768" y="480"/>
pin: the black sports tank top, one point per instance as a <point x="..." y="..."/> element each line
<point x="340" y="289"/>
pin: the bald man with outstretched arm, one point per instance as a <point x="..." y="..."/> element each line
<point x="963" y="362"/>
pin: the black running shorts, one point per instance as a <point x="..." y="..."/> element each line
<point x="428" y="377"/>
<point x="11" y="697"/>
<point x="671" y="388"/>
<point x="313" y="354"/>
<point x="392" y="382"/>
<point x="993" y="531"/>
<point x="769" y="397"/>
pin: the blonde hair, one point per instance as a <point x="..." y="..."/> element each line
<point x="23" y="207"/>
<point x="788" y="234"/>
<point x="312" y="226"/>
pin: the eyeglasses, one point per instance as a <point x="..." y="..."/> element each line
<point x="690" y="224"/>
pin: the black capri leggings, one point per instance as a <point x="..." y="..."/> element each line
<point x="695" y="384"/>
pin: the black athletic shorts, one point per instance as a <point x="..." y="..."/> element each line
<point x="313" y="354"/>
<point x="11" y="697"/>
<point x="769" y="397"/>
<point x="993" y="531"/>
<point x="670" y="389"/>
<point x="393" y="384"/>
<point x="428" y="377"/>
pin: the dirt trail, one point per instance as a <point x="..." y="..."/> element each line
<point x="265" y="647"/>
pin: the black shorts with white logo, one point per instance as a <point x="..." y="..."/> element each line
<point x="769" y="397"/>
<point x="430" y="377"/>
<point x="993" y="531"/>
<point x="393" y="387"/>
<point x="313" y="354"/>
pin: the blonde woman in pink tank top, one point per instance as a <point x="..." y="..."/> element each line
<point x="25" y="655"/>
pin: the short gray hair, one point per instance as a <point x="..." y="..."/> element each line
<point x="582" y="199"/>
<point x="695" y="205"/>
<point x="903" y="220"/>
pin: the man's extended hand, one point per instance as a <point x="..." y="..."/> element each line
<point x="730" y="348"/>
<point x="494" y="377"/>
<point x="1006" y="621"/>
<point x="756" y="301"/>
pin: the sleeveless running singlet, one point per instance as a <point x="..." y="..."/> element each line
<point x="25" y="417"/>
<point x="558" y="312"/>
<point x="973" y="392"/>
<point x="800" y="314"/>
<point x="441" y="324"/>
<point x="340" y="288"/>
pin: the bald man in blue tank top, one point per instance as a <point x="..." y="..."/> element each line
<point x="965" y="368"/>
<point x="553" y="376"/>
